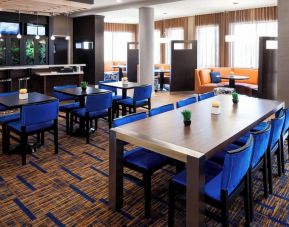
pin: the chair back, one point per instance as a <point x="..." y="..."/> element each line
<point x="60" y="96"/>
<point x="161" y="109"/>
<point x="261" y="142"/>
<point x="276" y="129"/>
<point x="142" y="93"/>
<point x="206" y="96"/>
<point x="101" y="85"/>
<point x="39" y="113"/>
<point x="186" y="102"/>
<point x="236" y="166"/>
<point x="97" y="102"/>
<point x="128" y="119"/>
<point x="286" y="122"/>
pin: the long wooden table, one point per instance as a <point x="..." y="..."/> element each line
<point x="166" y="134"/>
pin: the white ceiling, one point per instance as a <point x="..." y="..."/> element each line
<point x="127" y="11"/>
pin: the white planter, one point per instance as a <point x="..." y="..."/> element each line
<point x="125" y="82"/>
<point x="23" y="96"/>
<point x="216" y="110"/>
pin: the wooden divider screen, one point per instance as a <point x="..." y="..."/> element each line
<point x="132" y="61"/>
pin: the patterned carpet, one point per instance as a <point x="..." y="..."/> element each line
<point x="71" y="189"/>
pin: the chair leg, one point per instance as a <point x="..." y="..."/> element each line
<point x="265" y="176"/>
<point x="109" y="117"/>
<point x="270" y="171"/>
<point x="23" y="148"/>
<point x="42" y="138"/>
<point x="251" y="200"/>
<point x="246" y="200"/>
<point x="134" y="109"/>
<point x="147" y="192"/>
<point x="4" y="138"/>
<point x="71" y="124"/>
<point x="172" y="194"/>
<point x="87" y="130"/>
<point x="281" y="145"/>
<point x="278" y="154"/>
<point x="96" y="124"/>
<point x="225" y="214"/>
<point x="67" y="123"/>
<point x="38" y="138"/>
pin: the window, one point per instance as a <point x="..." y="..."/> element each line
<point x="208" y="46"/>
<point x="244" y="52"/>
<point x="157" y="47"/>
<point x="173" y="34"/>
<point x="115" y="45"/>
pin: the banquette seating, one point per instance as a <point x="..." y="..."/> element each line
<point x="204" y="83"/>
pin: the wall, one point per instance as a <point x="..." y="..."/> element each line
<point x="283" y="51"/>
<point x="58" y="27"/>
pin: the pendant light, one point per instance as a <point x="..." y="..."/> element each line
<point x="19" y="36"/>
<point x="37" y="36"/>
<point x="67" y="37"/>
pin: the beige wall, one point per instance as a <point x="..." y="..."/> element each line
<point x="59" y="28"/>
<point x="283" y="51"/>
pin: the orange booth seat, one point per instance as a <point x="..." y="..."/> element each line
<point x="203" y="82"/>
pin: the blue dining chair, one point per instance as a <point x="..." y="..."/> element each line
<point x="141" y="160"/>
<point x="65" y="107"/>
<point x="35" y="119"/>
<point x="187" y="101"/>
<point x="5" y="119"/>
<point x="204" y="96"/>
<point x="141" y="98"/>
<point x="221" y="189"/>
<point x="161" y="109"/>
<point x="97" y="106"/>
<point x="285" y="136"/>
<point x="115" y="97"/>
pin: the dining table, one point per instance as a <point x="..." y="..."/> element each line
<point x="161" y="73"/>
<point x="80" y="94"/>
<point x="232" y="79"/>
<point x="208" y="133"/>
<point x="120" y="70"/>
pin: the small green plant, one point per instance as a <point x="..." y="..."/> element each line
<point x="235" y="96"/>
<point x="83" y="85"/>
<point x="187" y="114"/>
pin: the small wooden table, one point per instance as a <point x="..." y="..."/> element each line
<point x="124" y="88"/>
<point x="233" y="78"/>
<point x="161" y="72"/>
<point x="120" y="70"/>
<point x="166" y="134"/>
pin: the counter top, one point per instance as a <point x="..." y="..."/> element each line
<point x="39" y="66"/>
<point x="57" y="73"/>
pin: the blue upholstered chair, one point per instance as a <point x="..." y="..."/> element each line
<point x="141" y="160"/>
<point x="5" y="119"/>
<point x="35" y="119"/>
<point x="161" y="109"/>
<point x="115" y="97"/>
<point x="97" y="106"/>
<point x="141" y="98"/>
<point x="221" y="189"/>
<point x="285" y="136"/>
<point x="207" y="95"/>
<point x="187" y="101"/>
<point x="66" y="107"/>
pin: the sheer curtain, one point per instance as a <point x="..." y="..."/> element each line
<point x="244" y="52"/>
<point x="157" y="47"/>
<point x="208" y="45"/>
<point x="176" y="33"/>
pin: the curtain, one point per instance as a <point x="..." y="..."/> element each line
<point x="208" y="46"/>
<point x="116" y="37"/>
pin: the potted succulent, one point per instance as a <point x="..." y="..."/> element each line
<point x="83" y="85"/>
<point x="235" y="97"/>
<point x="187" y="114"/>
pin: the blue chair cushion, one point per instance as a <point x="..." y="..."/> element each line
<point x="82" y="113"/>
<point x="67" y="107"/>
<point x="219" y="157"/>
<point x="211" y="170"/>
<point x="16" y="126"/>
<point x="9" y="118"/>
<point x="213" y="187"/>
<point x="144" y="159"/>
<point x="129" y="102"/>
<point x="116" y="97"/>
<point x="215" y="78"/>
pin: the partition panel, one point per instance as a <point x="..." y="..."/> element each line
<point x="132" y="60"/>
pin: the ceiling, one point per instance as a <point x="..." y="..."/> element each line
<point x="127" y="12"/>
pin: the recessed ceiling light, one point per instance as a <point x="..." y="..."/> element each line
<point x="119" y="1"/>
<point x="165" y="13"/>
<point x="235" y="3"/>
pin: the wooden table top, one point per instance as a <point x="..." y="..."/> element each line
<point x="13" y="101"/>
<point x="120" y="85"/>
<point x="234" y="77"/>
<point x="78" y="91"/>
<point x="166" y="134"/>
